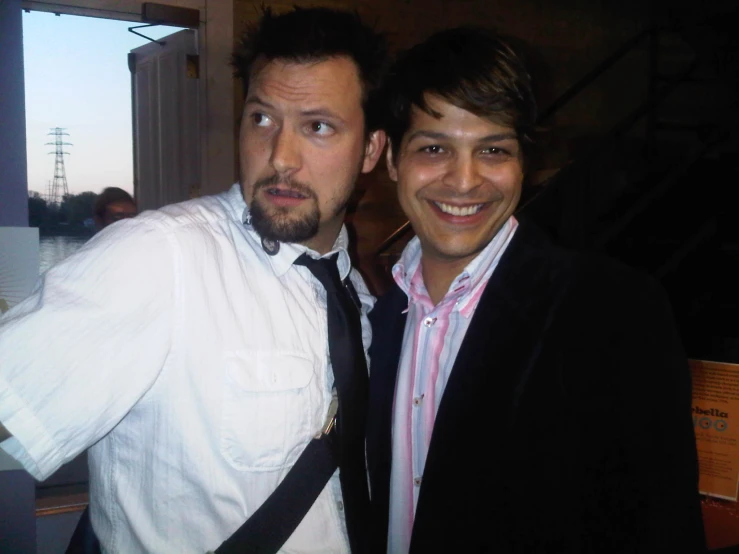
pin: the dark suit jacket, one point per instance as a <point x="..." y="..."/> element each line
<point x="565" y="426"/>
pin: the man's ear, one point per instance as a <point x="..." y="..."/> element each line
<point x="373" y="150"/>
<point x="392" y="170"/>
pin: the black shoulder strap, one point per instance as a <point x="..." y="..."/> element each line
<point x="276" y="519"/>
<point x="83" y="539"/>
<point x="271" y="525"/>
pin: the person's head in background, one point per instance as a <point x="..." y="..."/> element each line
<point x="111" y="205"/>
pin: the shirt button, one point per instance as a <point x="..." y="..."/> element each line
<point x="417" y="481"/>
<point x="340" y="505"/>
<point x="429" y="321"/>
<point x="417" y="400"/>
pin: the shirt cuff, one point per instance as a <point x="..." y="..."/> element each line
<point x="31" y="445"/>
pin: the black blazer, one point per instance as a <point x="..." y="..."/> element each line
<point x="565" y="426"/>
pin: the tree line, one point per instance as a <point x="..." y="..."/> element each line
<point x="73" y="216"/>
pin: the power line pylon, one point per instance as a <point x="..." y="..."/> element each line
<point x="58" y="187"/>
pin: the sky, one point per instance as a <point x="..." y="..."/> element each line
<point x="77" y="77"/>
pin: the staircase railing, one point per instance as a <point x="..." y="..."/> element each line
<point x="572" y="227"/>
<point x="573" y="215"/>
<point x="596" y="72"/>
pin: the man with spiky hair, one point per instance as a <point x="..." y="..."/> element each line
<point x="523" y="398"/>
<point x="192" y="349"/>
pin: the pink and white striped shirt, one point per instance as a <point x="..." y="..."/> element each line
<point x="433" y="335"/>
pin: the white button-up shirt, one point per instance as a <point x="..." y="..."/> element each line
<point x="191" y="363"/>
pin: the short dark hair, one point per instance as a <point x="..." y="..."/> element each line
<point x="470" y="67"/>
<point x="109" y="196"/>
<point x="307" y="35"/>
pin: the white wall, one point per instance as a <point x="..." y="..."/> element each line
<point x="17" y="493"/>
<point x="13" y="174"/>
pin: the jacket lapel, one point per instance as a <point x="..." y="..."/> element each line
<point x="388" y="324"/>
<point x="491" y="371"/>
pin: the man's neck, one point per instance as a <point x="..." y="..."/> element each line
<point x="324" y="241"/>
<point x="438" y="275"/>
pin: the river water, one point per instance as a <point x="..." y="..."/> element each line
<point x="53" y="250"/>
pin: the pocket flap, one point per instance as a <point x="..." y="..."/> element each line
<point x="259" y="371"/>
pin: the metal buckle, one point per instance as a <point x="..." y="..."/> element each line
<point x="330" y="421"/>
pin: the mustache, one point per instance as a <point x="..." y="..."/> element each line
<point x="276" y="179"/>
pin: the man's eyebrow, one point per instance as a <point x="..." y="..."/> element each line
<point x="437" y="135"/>
<point x="322" y="112"/>
<point x="317" y="112"/>
<point x="495" y="137"/>
<point x="434" y="135"/>
<point x="255" y="100"/>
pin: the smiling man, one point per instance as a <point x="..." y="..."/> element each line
<point x="204" y="351"/>
<point x="523" y="398"/>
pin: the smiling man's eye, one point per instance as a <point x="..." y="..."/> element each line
<point x="432" y="149"/>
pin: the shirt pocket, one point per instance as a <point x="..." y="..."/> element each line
<point x="266" y="409"/>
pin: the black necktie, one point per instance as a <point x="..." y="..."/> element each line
<point x="352" y="385"/>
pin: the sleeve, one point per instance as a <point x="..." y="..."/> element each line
<point x="655" y="425"/>
<point x="89" y="342"/>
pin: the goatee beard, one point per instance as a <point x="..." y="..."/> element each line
<point x="280" y="224"/>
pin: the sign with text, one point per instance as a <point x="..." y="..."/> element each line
<point x="716" y="422"/>
<point x="19" y="264"/>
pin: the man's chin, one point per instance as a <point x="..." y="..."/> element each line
<point x="286" y="229"/>
<point x="284" y="224"/>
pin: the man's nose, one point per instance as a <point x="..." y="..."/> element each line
<point x="285" y="157"/>
<point x="463" y="173"/>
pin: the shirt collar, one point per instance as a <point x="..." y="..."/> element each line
<point x="289" y="252"/>
<point x="466" y="287"/>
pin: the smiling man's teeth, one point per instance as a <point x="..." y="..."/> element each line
<point x="459" y="210"/>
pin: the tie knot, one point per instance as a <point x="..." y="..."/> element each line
<point x="325" y="270"/>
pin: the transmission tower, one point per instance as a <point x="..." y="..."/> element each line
<point x="58" y="187"/>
